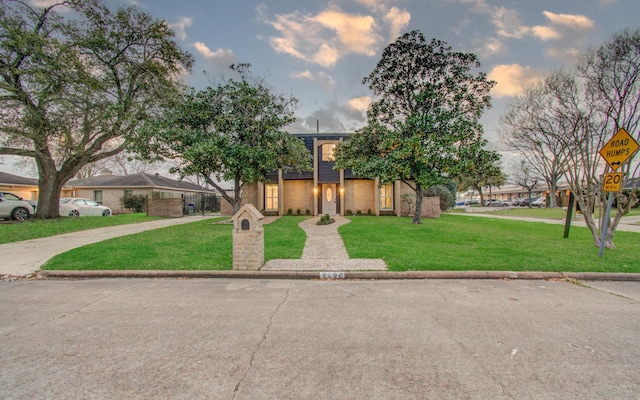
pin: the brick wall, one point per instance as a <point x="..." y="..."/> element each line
<point x="360" y="194"/>
<point x="165" y="207"/>
<point x="297" y="194"/>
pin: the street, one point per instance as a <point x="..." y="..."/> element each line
<point x="295" y="339"/>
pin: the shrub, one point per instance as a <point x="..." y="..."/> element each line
<point x="307" y="212"/>
<point x="298" y="212"/>
<point x="289" y="211"/>
<point x="369" y="212"/>
<point x="447" y="200"/>
<point x="134" y="202"/>
<point x="326" y="220"/>
<point x="349" y="212"/>
<point x="359" y="212"/>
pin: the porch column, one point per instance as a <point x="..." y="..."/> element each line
<point x="280" y="192"/>
<point x="316" y="189"/>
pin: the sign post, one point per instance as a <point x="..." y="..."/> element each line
<point x="615" y="152"/>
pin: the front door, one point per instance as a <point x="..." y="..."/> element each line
<point x="329" y="199"/>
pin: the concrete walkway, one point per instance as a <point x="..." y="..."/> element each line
<point x="627" y="224"/>
<point x="26" y="257"/>
<point x="325" y="251"/>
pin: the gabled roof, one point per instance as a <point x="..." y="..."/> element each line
<point x="10" y="179"/>
<point x="137" y="181"/>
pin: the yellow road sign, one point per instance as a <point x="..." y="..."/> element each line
<point x="612" y="182"/>
<point x="618" y="149"/>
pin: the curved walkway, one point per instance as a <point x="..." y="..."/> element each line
<point x="26" y="257"/>
<point x="324" y="251"/>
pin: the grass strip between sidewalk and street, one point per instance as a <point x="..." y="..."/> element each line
<point x="39" y="228"/>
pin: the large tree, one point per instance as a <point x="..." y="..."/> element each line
<point x="523" y="129"/>
<point x="481" y="169"/>
<point x="230" y="132"/>
<point x="583" y="108"/>
<point x="75" y="86"/>
<point x="429" y="102"/>
<point x="524" y="175"/>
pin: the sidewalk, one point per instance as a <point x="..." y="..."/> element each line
<point x="325" y="251"/>
<point x="26" y="257"/>
<point x="627" y="224"/>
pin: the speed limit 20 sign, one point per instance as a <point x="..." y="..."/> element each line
<point x="612" y="182"/>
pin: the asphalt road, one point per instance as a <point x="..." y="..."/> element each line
<point x="292" y="339"/>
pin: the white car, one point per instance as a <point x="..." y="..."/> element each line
<point x="12" y="206"/>
<point x="539" y="202"/>
<point x="86" y="207"/>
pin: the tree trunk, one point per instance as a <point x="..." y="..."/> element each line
<point x="479" y="189"/>
<point x="50" y="183"/>
<point x="417" y="216"/>
<point x="553" y="189"/>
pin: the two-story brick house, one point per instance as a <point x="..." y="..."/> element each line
<point x="326" y="190"/>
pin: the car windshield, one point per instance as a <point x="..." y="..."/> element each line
<point x="65" y="200"/>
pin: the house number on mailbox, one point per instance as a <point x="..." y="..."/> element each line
<point x="244" y="224"/>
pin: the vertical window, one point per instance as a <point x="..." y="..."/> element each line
<point x="329" y="152"/>
<point x="271" y="196"/>
<point x="97" y="196"/>
<point x="128" y="192"/>
<point x="386" y="197"/>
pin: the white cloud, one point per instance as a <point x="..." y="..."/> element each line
<point x="221" y="58"/>
<point x="398" y="20"/>
<point x="180" y="27"/>
<point x="576" y="22"/>
<point x="508" y="23"/>
<point x="329" y="35"/>
<point x="512" y="79"/>
<point x="544" y="33"/>
<point x="492" y="46"/>
<point x="323" y="79"/>
<point x="359" y="103"/>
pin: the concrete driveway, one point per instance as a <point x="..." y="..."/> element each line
<point x="290" y="339"/>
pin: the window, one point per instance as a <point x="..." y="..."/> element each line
<point x="97" y="196"/>
<point x="386" y="197"/>
<point x="128" y="192"/>
<point x="271" y="196"/>
<point x="329" y="152"/>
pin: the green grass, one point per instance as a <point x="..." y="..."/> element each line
<point x="36" y="228"/>
<point x="201" y="245"/>
<point x="547" y="213"/>
<point x="455" y="242"/>
<point x="452" y="242"/>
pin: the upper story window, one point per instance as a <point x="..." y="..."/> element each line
<point x="329" y="152"/>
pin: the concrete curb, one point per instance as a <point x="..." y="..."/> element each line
<point x="373" y="275"/>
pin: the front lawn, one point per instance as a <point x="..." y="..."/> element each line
<point x="454" y="242"/>
<point x="202" y="245"/>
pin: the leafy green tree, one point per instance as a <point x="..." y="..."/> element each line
<point x="425" y="119"/>
<point x="230" y="132"/>
<point x="481" y="169"/>
<point x="76" y="86"/>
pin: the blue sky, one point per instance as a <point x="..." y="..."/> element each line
<point x="319" y="51"/>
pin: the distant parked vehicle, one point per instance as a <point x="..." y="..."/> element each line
<point x="495" y="203"/>
<point x="86" y="207"/>
<point x="66" y="209"/>
<point x="12" y="206"/>
<point x="516" y="202"/>
<point x="539" y="202"/>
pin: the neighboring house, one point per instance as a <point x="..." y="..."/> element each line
<point x="325" y="190"/>
<point x="110" y="189"/>
<point x="27" y="188"/>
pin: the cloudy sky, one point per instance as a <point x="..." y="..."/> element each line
<point x="320" y="50"/>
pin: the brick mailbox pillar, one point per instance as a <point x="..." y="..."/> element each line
<point x="248" y="239"/>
